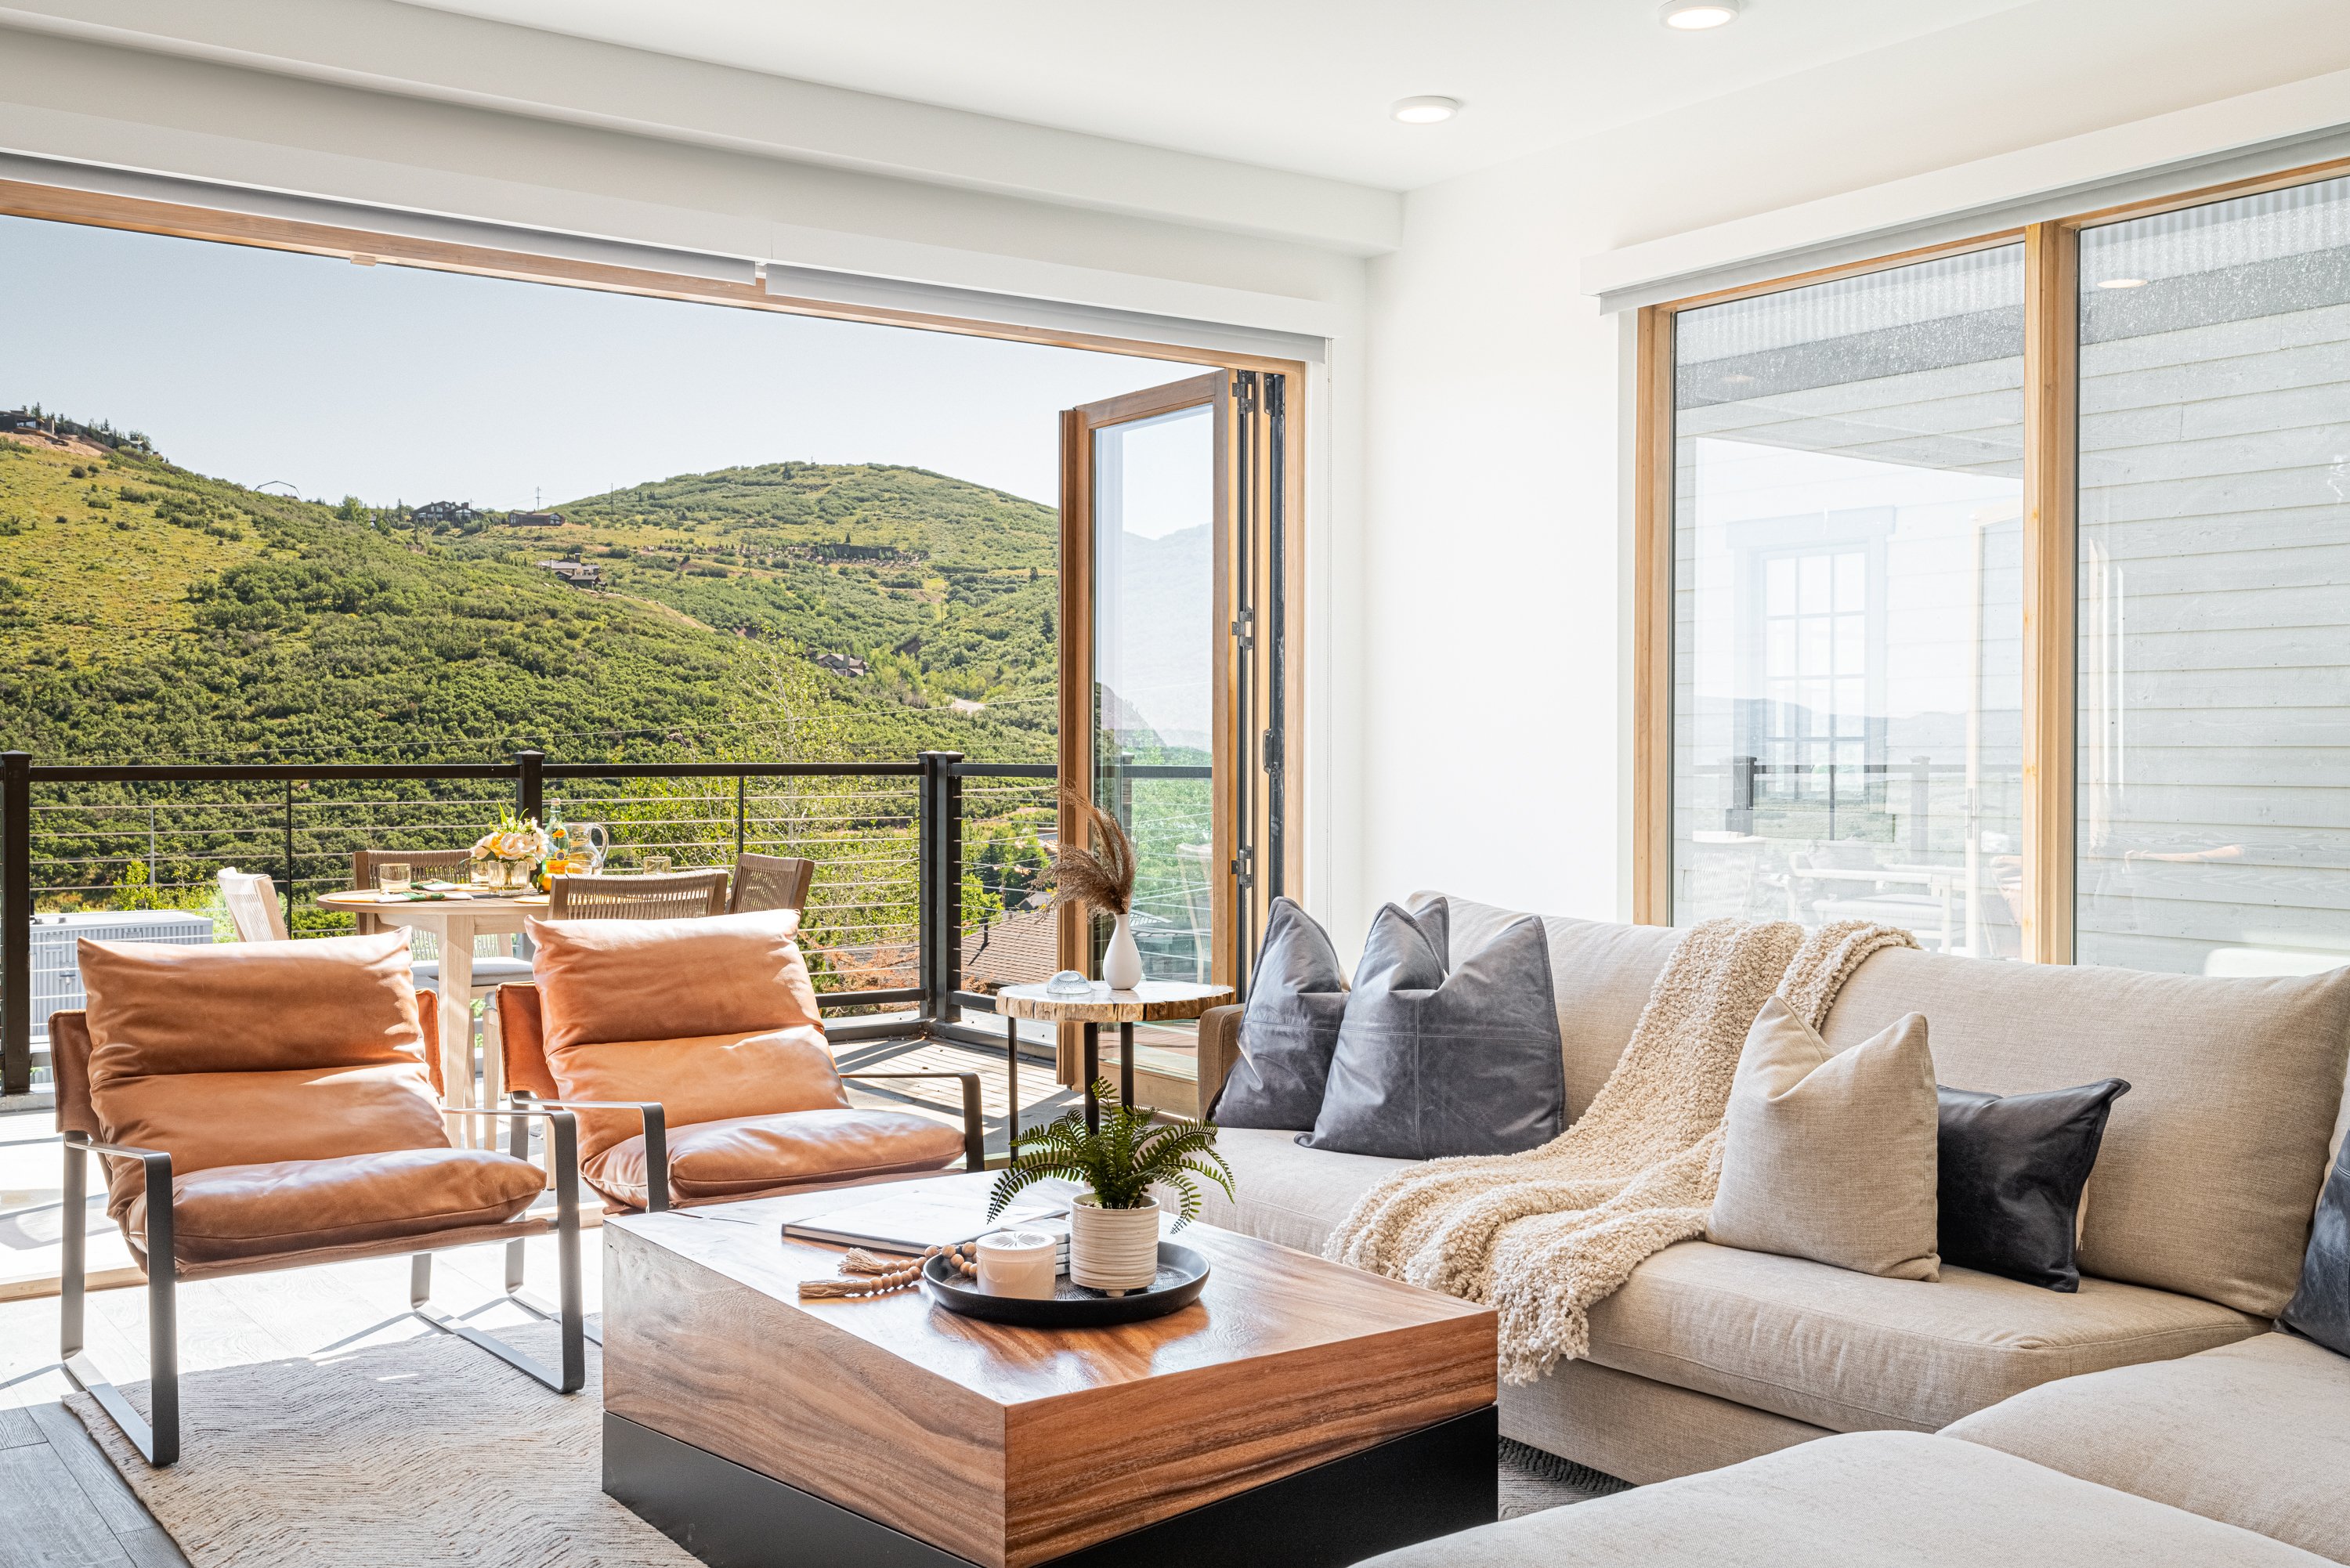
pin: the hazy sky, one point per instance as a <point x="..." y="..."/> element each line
<point x="396" y="384"/>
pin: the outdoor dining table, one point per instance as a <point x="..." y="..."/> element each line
<point x="455" y="921"/>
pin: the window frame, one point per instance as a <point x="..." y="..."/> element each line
<point x="2051" y="549"/>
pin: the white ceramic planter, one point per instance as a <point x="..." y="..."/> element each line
<point x="1113" y="1249"/>
<point x="1122" y="964"/>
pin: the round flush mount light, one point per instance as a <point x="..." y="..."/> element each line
<point x="1425" y="110"/>
<point x="2121" y="283"/>
<point x="1695" y="15"/>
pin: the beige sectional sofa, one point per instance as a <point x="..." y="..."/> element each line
<point x="2193" y="1232"/>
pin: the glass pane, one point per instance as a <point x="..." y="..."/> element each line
<point x="1848" y="699"/>
<point x="2214" y="837"/>
<point x="1154" y="669"/>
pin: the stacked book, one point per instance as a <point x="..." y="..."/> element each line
<point x="914" y="1222"/>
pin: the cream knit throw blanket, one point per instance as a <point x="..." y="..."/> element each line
<point x="1541" y="1236"/>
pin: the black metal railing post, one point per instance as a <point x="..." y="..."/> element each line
<point x="950" y="883"/>
<point x="1922" y="804"/>
<point x="17" y="923"/>
<point x="289" y="858"/>
<point x="1740" y="817"/>
<point x="939" y="888"/>
<point x="530" y="785"/>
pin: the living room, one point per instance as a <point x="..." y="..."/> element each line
<point x="1760" y="577"/>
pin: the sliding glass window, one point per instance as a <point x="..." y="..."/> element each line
<point x="2214" y="587"/>
<point x="1846" y="595"/>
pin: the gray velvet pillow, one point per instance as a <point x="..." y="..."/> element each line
<point x="1430" y="1062"/>
<point x="1290" y="1029"/>
<point x="2320" y="1309"/>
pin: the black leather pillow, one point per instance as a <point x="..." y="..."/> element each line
<point x="2320" y="1309"/>
<point x="2012" y="1167"/>
<point x="1431" y="1064"/>
<point x="1289" y="1030"/>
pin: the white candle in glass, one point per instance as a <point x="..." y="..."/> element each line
<point x="1018" y="1264"/>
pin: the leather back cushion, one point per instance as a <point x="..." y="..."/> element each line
<point x="697" y="1078"/>
<point x="250" y="1007"/>
<point x="603" y="981"/>
<point x="522" y="1042"/>
<point x="2210" y="1165"/>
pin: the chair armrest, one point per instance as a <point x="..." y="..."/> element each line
<point x="562" y="1141"/>
<point x="974" y="1124"/>
<point x="155" y="1167"/>
<point x="656" y="1125"/>
<point x="1219" y="1051"/>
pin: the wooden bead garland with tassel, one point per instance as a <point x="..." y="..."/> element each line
<point x="880" y="1276"/>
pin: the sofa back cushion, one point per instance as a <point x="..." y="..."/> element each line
<point x="608" y="981"/>
<point x="253" y="1007"/>
<point x="1601" y="973"/>
<point x="2210" y="1165"/>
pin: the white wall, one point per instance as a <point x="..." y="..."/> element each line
<point x="1495" y="600"/>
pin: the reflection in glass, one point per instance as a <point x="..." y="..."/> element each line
<point x="1154" y="606"/>
<point x="1848" y="686"/>
<point x="2214" y="833"/>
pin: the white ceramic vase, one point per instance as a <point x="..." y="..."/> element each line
<point x="1122" y="964"/>
<point x="1113" y="1249"/>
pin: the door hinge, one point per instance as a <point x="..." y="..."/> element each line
<point x="1244" y="389"/>
<point x="1272" y="752"/>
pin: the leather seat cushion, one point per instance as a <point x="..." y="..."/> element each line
<point x="662" y="979"/>
<point x="741" y="1156"/>
<point x="700" y="1078"/>
<point x="2255" y="1434"/>
<point x="206" y="1120"/>
<point x="1853" y="1352"/>
<point x="299" y="1205"/>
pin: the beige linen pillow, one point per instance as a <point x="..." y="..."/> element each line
<point x="1830" y="1156"/>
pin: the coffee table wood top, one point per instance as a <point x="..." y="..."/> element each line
<point x="1010" y="1446"/>
<point x="1152" y="1002"/>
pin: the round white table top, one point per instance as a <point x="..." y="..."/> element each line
<point x="1152" y="1002"/>
<point x="358" y="900"/>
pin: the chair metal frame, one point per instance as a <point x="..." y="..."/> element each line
<point x="158" y="1439"/>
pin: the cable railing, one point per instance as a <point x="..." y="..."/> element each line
<point x="917" y="862"/>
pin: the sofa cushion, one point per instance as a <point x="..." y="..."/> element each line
<point x="250" y="1007"/>
<point x="1436" y="1059"/>
<point x="742" y="1156"/>
<point x="658" y="979"/>
<point x="2320" y="1307"/>
<point x="2012" y="1167"/>
<point x="1827" y="1156"/>
<point x="2210" y="1167"/>
<point x="1295" y="1000"/>
<point x="1853" y="1352"/>
<point x="1870" y="1501"/>
<point x="1601" y="974"/>
<point x="2256" y="1434"/>
<point x="700" y="1078"/>
<point x="1288" y="1194"/>
<point x="300" y="1205"/>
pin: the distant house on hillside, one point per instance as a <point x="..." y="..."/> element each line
<point x="965" y="705"/>
<point x="578" y="574"/>
<point x="842" y="664"/>
<point x="446" y="511"/>
<point x="22" y="419"/>
<point x="536" y="519"/>
<point x="1023" y="947"/>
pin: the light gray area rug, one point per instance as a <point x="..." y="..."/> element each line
<point x="423" y="1453"/>
<point x="430" y="1452"/>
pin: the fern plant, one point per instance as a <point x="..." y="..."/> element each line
<point x="1122" y="1162"/>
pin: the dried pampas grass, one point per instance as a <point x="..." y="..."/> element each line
<point x="1100" y="877"/>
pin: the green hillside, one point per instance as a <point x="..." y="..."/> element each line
<point x="153" y="614"/>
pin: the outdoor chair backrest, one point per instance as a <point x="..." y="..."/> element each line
<point x="770" y="882"/>
<point x="676" y="895"/>
<point x="253" y="907"/>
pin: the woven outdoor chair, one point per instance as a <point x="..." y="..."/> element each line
<point x="770" y="882"/>
<point x="676" y="895"/>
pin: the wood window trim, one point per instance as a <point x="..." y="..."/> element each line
<point x="2051" y="550"/>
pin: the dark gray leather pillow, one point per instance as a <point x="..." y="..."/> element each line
<point x="1290" y="1029"/>
<point x="1431" y="1064"/>
<point x="2320" y="1309"/>
<point x="2011" y="1169"/>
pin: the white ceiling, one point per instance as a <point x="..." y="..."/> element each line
<point x="1301" y="85"/>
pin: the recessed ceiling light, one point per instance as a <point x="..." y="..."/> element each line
<point x="1695" y="15"/>
<point x="1426" y="110"/>
<point x="2121" y="283"/>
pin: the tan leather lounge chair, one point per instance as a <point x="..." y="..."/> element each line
<point x="265" y="1106"/>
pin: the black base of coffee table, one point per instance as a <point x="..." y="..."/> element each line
<point x="1424" y="1484"/>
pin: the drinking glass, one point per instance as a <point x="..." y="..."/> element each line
<point x="483" y="872"/>
<point x="655" y="865"/>
<point x="391" y="877"/>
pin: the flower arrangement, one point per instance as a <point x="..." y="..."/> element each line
<point x="516" y="848"/>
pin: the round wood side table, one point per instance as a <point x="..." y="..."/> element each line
<point x="1152" y="1002"/>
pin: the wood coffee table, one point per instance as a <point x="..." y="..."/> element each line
<point x="1299" y="1413"/>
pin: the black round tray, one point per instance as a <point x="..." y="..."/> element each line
<point x="1182" y="1275"/>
